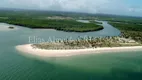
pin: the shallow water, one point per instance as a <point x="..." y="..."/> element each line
<point x="112" y="66"/>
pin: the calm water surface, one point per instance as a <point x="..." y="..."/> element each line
<point x="112" y="66"/>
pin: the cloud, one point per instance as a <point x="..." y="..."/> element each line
<point x="89" y="6"/>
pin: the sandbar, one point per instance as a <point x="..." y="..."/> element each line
<point x="28" y="49"/>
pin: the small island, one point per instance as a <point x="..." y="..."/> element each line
<point x="91" y="45"/>
<point x="11" y="27"/>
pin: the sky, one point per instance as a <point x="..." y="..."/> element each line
<point x="118" y="7"/>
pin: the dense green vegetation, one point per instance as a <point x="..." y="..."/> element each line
<point x="64" y="25"/>
<point x="39" y="19"/>
<point x="131" y="29"/>
<point x="127" y="26"/>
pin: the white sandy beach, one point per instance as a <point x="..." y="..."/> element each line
<point x="63" y="53"/>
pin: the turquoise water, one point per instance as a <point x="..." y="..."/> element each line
<point x="109" y="66"/>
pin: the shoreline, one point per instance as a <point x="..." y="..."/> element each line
<point x="28" y="49"/>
